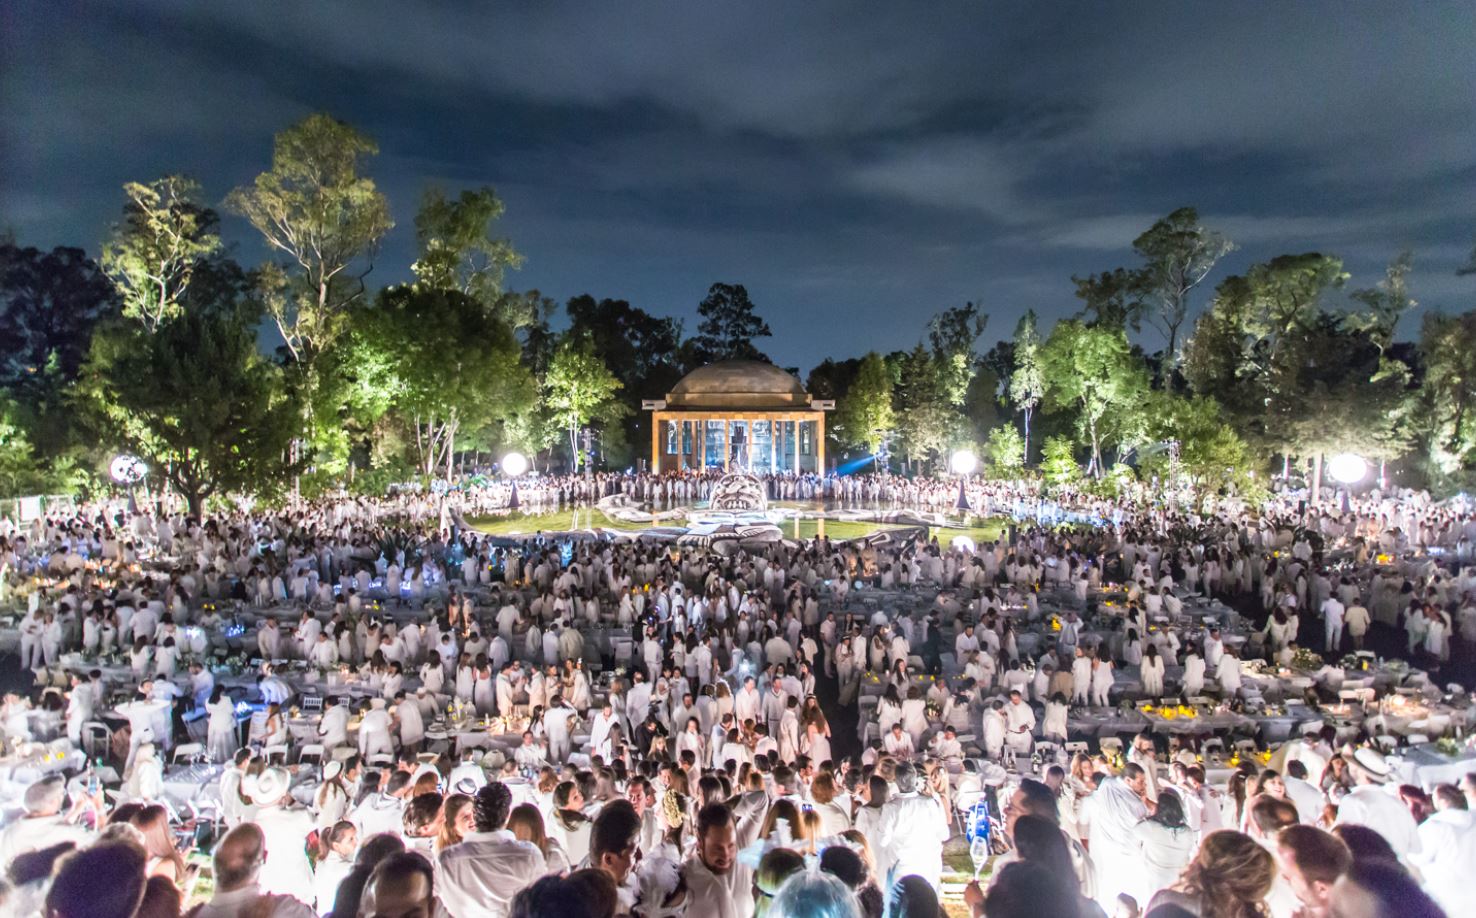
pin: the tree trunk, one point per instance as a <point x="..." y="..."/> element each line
<point x="1026" y="463"/>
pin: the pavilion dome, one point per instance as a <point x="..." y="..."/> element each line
<point x="738" y="384"/>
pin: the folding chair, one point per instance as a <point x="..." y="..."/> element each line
<point x="1076" y="746"/>
<point x="310" y="754"/>
<point x="278" y="751"/>
<point x="186" y="752"/>
<point x="97" y="739"/>
<point x="1110" y="745"/>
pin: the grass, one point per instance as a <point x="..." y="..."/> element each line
<point x="521" y="523"/>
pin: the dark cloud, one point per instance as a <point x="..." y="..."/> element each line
<point x="857" y="165"/>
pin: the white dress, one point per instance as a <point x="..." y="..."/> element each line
<point x="222" y="741"/>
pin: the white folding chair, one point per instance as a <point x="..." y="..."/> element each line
<point x="312" y="753"/>
<point x="278" y="751"/>
<point x="1110" y="745"/>
<point x="1386" y="742"/>
<point x="1076" y="746"/>
<point x="186" y="752"/>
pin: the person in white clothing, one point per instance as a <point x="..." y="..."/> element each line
<point x="1372" y="803"/>
<point x="284" y="828"/>
<point x="480" y="875"/>
<point x="912" y="831"/>
<point x="719" y="885"/>
<point x="1446" y="857"/>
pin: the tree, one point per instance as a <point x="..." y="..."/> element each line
<point x="1112" y="299"/>
<point x="951" y="335"/>
<point x="1058" y="462"/>
<point x="1448" y="400"/>
<point x="1004" y="451"/>
<point x="460" y="251"/>
<point x="152" y="254"/>
<point x="580" y="389"/>
<point x="1210" y="453"/>
<point x="316" y="209"/>
<point x="440" y="360"/>
<point x="50" y="305"/>
<point x="925" y="420"/>
<point x="208" y="412"/>
<point x="865" y="414"/>
<point x="1383" y="304"/>
<point x="1250" y="348"/>
<point x="729" y="325"/>
<point x="1178" y="254"/>
<point x="1092" y="370"/>
<point x="1027" y="382"/>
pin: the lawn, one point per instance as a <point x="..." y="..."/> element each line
<point x="514" y="524"/>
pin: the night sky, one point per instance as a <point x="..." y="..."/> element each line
<point x="858" y="166"/>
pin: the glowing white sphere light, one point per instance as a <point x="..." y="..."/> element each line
<point x="127" y="469"/>
<point x="1347" y="468"/>
<point x="963" y="462"/>
<point x="514" y="464"/>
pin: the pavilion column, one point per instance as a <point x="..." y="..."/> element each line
<point x="771" y="446"/>
<point x="791" y="445"/>
<point x="727" y="442"/>
<point x="820" y="445"/>
<point x="656" y="419"/>
<point x="701" y="444"/>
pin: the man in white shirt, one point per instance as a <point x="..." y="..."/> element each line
<point x="912" y="830"/>
<point x="44" y="823"/>
<point x="1374" y="805"/>
<point x="898" y="743"/>
<point x="238" y="860"/>
<point x="1332" y="624"/>
<point x="480" y="875"/>
<point x="1019" y="722"/>
<point x="718" y="884"/>
<point x="1447" y="854"/>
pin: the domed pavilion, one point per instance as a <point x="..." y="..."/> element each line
<point x="738" y="414"/>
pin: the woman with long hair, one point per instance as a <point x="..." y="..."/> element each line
<point x="1166" y="842"/>
<point x="331" y="800"/>
<point x="526" y="824"/>
<point x="336" y="846"/>
<point x="785" y="825"/>
<point x="1230" y="877"/>
<point x="152" y="822"/>
<point x="874" y="794"/>
<point x="222" y="738"/>
<point x="459" y="822"/>
<point x="569" y="826"/>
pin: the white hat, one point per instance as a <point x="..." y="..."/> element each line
<point x="376" y="703"/>
<point x="271" y="786"/>
<point x="332" y="770"/>
<point x="1372" y="761"/>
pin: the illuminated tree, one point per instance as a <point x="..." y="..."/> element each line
<point x="579" y="389"/>
<point x="315" y="208"/>
<point x="152" y="254"/>
<point x="1027" y="382"/>
<point x="864" y="417"/>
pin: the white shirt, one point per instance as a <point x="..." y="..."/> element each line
<point x="480" y="876"/>
<point x="912" y="831"/>
<point x="245" y="901"/>
<point x="1380" y="810"/>
<point x="1447" y="860"/>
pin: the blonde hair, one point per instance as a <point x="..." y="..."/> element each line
<point x="1231" y="876"/>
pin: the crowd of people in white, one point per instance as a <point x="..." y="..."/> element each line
<point x="671" y="711"/>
